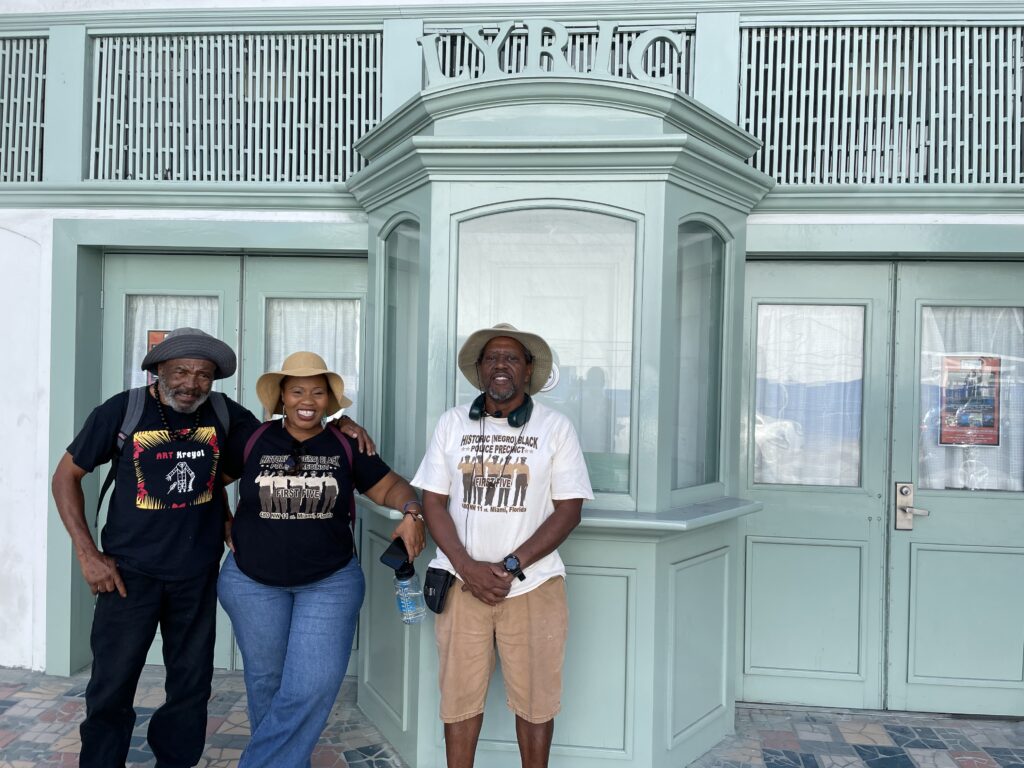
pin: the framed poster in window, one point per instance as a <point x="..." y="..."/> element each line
<point x="970" y="400"/>
<point x="152" y="339"/>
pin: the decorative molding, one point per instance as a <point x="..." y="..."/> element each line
<point x="894" y="198"/>
<point x="654" y="12"/>
<point x="679" y="112"/>
<point x="129" y="194"/>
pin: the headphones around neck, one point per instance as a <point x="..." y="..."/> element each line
<point x="517" y="418"/>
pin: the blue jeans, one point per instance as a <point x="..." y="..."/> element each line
<point x="295" y="644"/>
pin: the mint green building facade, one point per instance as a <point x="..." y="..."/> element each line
<point x="778" y="254"/>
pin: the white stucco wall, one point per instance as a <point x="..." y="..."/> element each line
<point x="25" y="317"/>
<point x="25" y="311"/>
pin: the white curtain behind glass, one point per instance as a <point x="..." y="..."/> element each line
<point x="973" y="331"/>
<point x="144" y="313"/>
<point x="568" y="276"/>
<point x="329" y="327"/>
<point x="398" y="444"/>
<point x="810" y="363"/>
<point x="699" y="322"/>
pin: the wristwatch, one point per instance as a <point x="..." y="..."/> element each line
<point x="511" y="565"/>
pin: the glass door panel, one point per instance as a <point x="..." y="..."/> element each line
<point x="809" y="394"/>
<point x="972" y="399"/>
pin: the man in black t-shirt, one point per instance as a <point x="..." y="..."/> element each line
<point x="162" y="544"/>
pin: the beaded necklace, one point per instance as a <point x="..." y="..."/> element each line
<point x="163" y="417"/>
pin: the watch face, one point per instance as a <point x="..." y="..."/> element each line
<point x="511" y="563"/>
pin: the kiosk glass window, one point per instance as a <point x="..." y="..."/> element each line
<point x="398" y="443"/>
<point x="568" y="276"/>
<point x="700" y="261"/>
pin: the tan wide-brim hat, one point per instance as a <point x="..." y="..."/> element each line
<point x="535" y="345"/>
<point x="268" y="386"/>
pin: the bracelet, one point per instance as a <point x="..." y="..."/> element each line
<point x="418" y="514"/>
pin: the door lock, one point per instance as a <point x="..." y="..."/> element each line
<point x="905" y="509"/>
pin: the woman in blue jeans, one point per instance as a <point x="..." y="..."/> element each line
<point x="291" y="584"/>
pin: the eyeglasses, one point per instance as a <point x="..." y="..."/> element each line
<point x="293" y="464"/>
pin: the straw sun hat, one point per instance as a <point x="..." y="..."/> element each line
<point x="534" y="344"/>
<point x="268" y="386"/>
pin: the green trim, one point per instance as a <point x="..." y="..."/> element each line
<point x="892" y="198"/>
<point x="685" y="518"/>
<point x="169" y="194"/>
<point x="925" y="238"/>
<point x="679" y="112"/>
<point x="75" y="389"/>
<point x="653" y="12"/>
<point x="65" y="136"/>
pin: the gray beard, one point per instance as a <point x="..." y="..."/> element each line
<point x="501" y="397"/>
<point x="167" y="395"/>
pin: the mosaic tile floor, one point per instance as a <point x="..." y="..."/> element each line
<point x="39" y="717"/>
<point x="802" y="737"/>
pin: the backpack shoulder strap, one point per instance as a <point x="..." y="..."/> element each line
<point x="348" y="455"/>
<point x="132" y="416"/>
<point x="253" y="438"/>
<point x="220" y="409"/>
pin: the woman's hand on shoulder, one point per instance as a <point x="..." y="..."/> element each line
<point x="356" y="432"/>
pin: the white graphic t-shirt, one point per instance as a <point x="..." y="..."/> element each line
<point x="502" y="482"/>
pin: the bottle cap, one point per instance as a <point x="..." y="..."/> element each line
<point x="405" y="571"/>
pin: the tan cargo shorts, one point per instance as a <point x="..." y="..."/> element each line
<point x="529" y="632"/>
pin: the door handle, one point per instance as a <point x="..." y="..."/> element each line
<point x="905" y="509"/>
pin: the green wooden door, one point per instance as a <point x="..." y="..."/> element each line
<point x="302" y="303"/>
<point x="145" y="296"/>
<point x="840" y="607"/>
<point x="265" y="307"/>
<point x="956" y="626"/>
<point x="817" y="356"/>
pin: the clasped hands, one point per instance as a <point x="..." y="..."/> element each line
<point x="488" y="582"/>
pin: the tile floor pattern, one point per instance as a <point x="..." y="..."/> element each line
<point x="39" y="717"/>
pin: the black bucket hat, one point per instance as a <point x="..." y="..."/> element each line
<point x="193" y="343"/>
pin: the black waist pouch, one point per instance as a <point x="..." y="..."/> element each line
<point x="435" y="588"/>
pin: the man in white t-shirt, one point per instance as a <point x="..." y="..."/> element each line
<point x="503" y="484"/>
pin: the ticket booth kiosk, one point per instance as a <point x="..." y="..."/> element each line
<point x="609" y="217"/>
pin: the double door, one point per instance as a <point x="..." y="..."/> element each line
<point x="884" y="412"/>
<point x="264" y="307"/>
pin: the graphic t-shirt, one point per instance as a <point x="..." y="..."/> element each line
<point x="502" y="482"/>
<point x="166" y="515"/>
<point x="292" y="522"/>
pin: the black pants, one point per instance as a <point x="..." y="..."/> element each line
<point x="122" y="631"/>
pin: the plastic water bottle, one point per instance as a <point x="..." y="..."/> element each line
<point x="409" y="595"/>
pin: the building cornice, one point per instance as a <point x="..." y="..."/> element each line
<point x="651" y="12"/>
<point x="222" y="196"/>
<point x="895" y="198"/>
<point x="678" y="112"/>
<point x="683" y="160"/>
